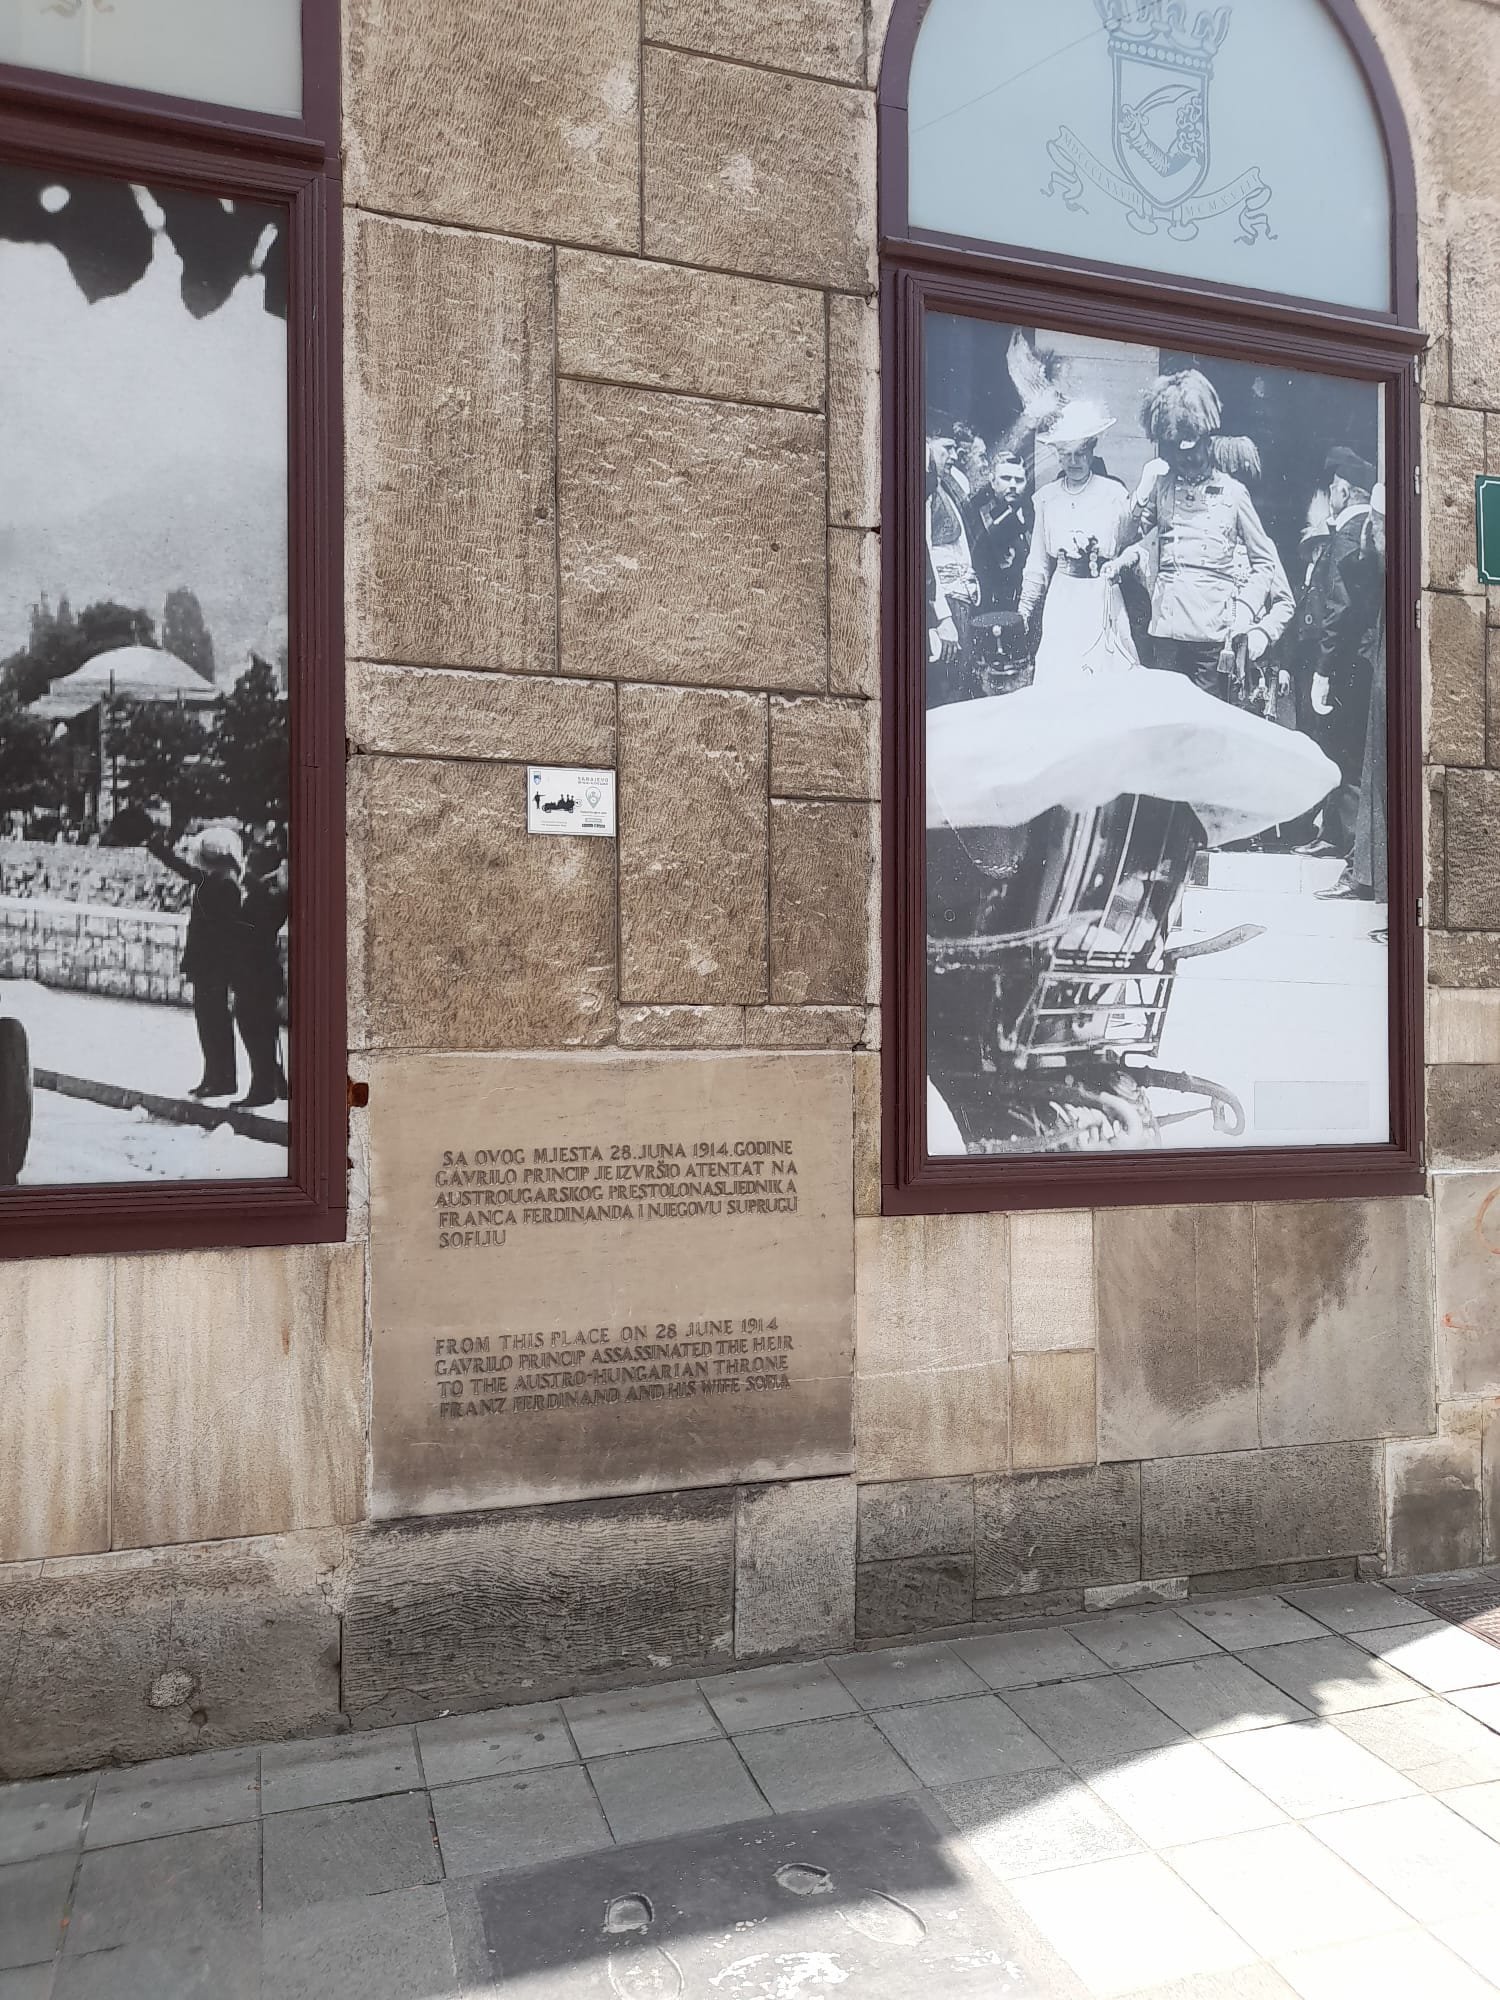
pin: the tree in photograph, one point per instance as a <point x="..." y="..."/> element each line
<point x="184" y="632"/>
<point x="252" y="747"/>
<point x="155" y="751"/>
<point x="59" y="643"/>
<point x="28" y="769"/>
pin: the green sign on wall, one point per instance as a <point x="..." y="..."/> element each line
<point x="1487" y="518"/>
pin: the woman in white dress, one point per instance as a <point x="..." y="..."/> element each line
<point x="1082" y="523"/>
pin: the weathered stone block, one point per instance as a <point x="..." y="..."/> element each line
<point x="1490" y="1475"/>
<point x="692" y="539"/>
<point x="505" y="718"/>
<point x="681" y="1027"/>
<point x="54" y="1407"/>
<point x="533" y="130"/>
<point x="1463" y="1114"/>
<point x="1457" y="644"/>
<point x="804" y="1027"/>
<point x="1436" y="833"/>
<point x="1053" y="1417"/>
<point x="692" y="909"/>
<point x="853" y="603"/>
<point x="853" y="414"/>
<point x="867" y="1118"/>
<point x="1054" y="1531"/>
<point x="1463" y="1026"/>
<point x="1473" y="816"/>
<point x="1435" y="1506"/>
<point x="1473" y="275"/>
<point x="476" y="935"/>
<point x="794" y="1568"/>
<point x="1455" y="452"/>
<point x="824" y="749"/>
<point x="816" y="37"/>
<point x="933" y="1292"/>
<point x="1052" y="1281"/>
<point x="1468" y="1284"/>
<point x="625" y="319"/>
<point x="1176" y="1331"/>
<point x="933" y="1424"/>
<point x="921" y="1594"/>
<point x="1238" y="1509"/>
<point x="128" y="1657"/>
<point x="515" y="1606"/>
<point x="1463" y="959"/>
<point x="1344" y="1316"/>
<point x="822" y="863"/>
<point x="917" y="1517"/>
<point x="750" y="171"/>
<point x="450" y="476"/>
<point x="238" y="1393"/>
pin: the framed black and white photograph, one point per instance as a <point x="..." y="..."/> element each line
<point x="171" y="837"/>
<point x="1156" y="860"/>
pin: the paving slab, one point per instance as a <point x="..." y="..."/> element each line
<point x="977" y="1736"/>
<point x="1310" y="1767"/>
<point x="1028" y="1659"/>
<point x="1424" y="1857"/>
<point x="813" y="1764"/>
<point x="361" y="1847"/>
<point x="184" y="1888"/>
<point x="1182" y="1794"/>
<point x="516" y="1822"/>
<point x="1143" y="1926"/>
<point x="1398" y="1967"/>
<point x="1126" y="1639"/>
<point x="1475" y="1939"/>
<point x="487" y="1745"/>
<point x="863" y="1900"/>
<point x="1355" y="1607"/>
<point x="906" y="1674"/>
<point x="222" y="1965"/>
<point x="175" y="1795"/>
<point x="767" y="1697"/>
<point x="1237" y="1623"/>
<point x="395" y="1947"/>
<point x="639" y="1719"/>
<point x="1433" y="1743"/>
<point x="42" y="1817"/>
<point x="679" y="1788"/>
<point x="294" y="1775"/>
<point x="1094" y="1722"/>
<point x="1482" y="1703"/>
<point x="1036" y="1821"/>
<point x="1218" y="1696"/>
<point x="1284" y="1892"/>
<point x="1480" y="1806"/>
<point x="33" y="1897"/>
<point x="27" y="1982"/>
<point x="1331" y="1674"/>
<point x="1436" y="1656"/>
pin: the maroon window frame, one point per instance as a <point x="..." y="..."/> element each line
<point x="67" y="122"/>
<point x="923" y="270"/>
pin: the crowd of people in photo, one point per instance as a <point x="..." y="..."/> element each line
<point x="1049" y="585"/>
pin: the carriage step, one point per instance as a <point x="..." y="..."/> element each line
<point x="1267" y="874"/>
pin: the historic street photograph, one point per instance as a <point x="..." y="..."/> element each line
<point x="144" y="766"/>
<point x="1156" y="748"/>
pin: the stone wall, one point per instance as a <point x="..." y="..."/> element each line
<point x="132" y="954"/>
<point x="613" y="497"/>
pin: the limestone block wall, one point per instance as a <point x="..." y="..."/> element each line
<point x="613" y="497"/>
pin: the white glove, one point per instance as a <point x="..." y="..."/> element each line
<point x="1322" y="705"/>
<point x="1155" y="472"/>
<point x="1259" y="645"/>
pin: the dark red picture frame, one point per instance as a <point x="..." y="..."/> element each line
<point x="48" y="120"/>
<point x="922" y="271"/>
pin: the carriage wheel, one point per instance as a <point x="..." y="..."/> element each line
<point x="15" y="1101"/>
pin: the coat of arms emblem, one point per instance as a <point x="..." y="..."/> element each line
<point x="1163" y="53"/>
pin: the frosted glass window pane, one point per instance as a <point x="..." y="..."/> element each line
<point x="1237" y="144"/>
<point x="247" y="53"/>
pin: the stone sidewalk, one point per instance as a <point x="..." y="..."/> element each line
<point x="1250" y="1796"/>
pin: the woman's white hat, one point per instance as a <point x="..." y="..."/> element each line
<point x="220" y="843"/>
<point x="1076" y="422"/>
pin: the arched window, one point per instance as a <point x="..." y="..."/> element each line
<point x="1151" y="409"/>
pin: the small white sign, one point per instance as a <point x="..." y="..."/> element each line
<point x="564" y="801"/>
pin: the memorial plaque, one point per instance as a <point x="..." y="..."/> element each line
<point x="599" y="1274"/>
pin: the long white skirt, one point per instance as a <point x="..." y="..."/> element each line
<point x="1084" y="630"/>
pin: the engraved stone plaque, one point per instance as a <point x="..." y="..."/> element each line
<point x="603" y="1274"/>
